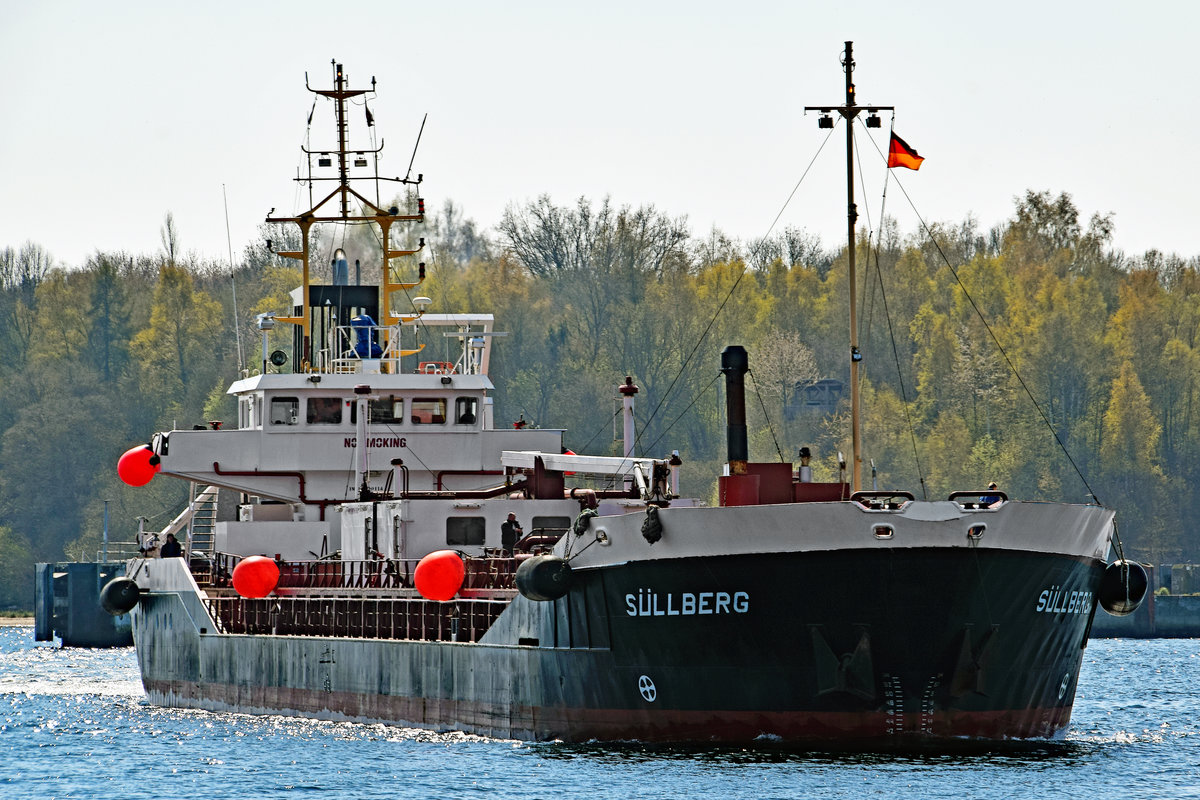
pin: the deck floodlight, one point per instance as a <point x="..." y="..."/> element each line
<point x="825" y="121"/>
<point x="873" y="121"/>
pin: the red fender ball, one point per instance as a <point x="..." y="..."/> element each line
<point x="138" y="465"/>
<point x="439" y="575"/>
<point x="256" y="576"/>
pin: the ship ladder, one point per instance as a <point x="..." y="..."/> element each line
<point x="202" y="522"/>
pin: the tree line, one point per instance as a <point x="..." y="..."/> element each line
<point x="1032" y="354"/>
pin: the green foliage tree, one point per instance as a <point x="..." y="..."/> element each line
<point x="1130" y="455"/>
<point x="16" y="571"/>
<point x="178" y="353"/>
<point x="588" y="293"/>
<point x="108" y="317"/>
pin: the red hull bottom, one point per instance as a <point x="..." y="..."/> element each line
<point x="581" y="725"/>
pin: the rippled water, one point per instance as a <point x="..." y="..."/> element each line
<point x="73" y="723"/>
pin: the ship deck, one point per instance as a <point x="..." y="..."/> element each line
<point x="372" y="599"/>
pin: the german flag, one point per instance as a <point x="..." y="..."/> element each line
<point x="901" y="155"/>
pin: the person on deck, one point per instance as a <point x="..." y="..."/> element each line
<point x="171" y="548"/>
<point x="510" y="533"/>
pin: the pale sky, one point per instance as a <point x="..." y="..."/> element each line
<point x="116" y="113"/>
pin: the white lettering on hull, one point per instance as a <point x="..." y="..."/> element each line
<point x="649" y="603"/>
<point x="1057" y="600"/>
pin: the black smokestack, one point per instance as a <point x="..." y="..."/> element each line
<point x="735" y="364"/>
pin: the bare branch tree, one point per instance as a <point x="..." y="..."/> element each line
<point x="170" y="237"/>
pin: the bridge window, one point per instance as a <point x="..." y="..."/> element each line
<point x="464" y="531"/>
<point x="465" y="410"/>
<point x="285" y="410"/>
<point x="387" y="410"/>
<point x="324" y="410"/>
<point x="550" y="525"/>
<point x="429" y="411"/>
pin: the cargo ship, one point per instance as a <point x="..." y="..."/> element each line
<point x="373" y="570"/>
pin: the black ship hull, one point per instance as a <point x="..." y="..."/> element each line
<point x="888" y="644"/>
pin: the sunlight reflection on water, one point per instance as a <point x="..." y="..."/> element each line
<point x="75" y="723"/>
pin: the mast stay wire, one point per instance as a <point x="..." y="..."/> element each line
<point x="600" y="430"/>
<point x="912" y="433"/>
<point x="695" y="399"/>
<point x="770" y="426"/>
<point x="237" y="333"/>
<point x="433" y="264"/>
<point x="991" y="333"/>
<point x="679" y="374"/>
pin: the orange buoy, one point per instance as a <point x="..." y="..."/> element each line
<point x="439" y="575"/>
<point x="256" y="576"/>
<point x="138" y="465"/>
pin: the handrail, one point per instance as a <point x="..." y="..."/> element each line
<point x="988" y="498"/>
<point x="984" y="493"/>
<point x="176" y="525"/>
<point x="883" y="500"/>
<point x="332" y="574"/>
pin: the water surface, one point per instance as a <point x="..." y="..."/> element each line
<point x="74" y="723"/>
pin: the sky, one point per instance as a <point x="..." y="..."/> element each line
<point x="115" y="114"/>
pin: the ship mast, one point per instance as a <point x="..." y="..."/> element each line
<point x="345" y="192"/>
<point x="849" y="111"/>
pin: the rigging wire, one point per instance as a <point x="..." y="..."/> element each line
<point x="386" y="268"/>
<point x="865" y="321"/>
<point x="434" y="264"/>
<point x="698" y="396"/>
<point x="237" y="332"/>
<point x="796" y="188"/>
<point x="600" y="430"/>
<point x="1003" y="353"/>
<point x="912" y="433"/>
<point x="306" y="159"/>
<point x="686" y="361"/>
<point x="770" y="427"/>
<point x="663" y="399"/>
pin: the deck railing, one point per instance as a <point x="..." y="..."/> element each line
<point x="409" y="618"/>
<point x="335" y="575"/>
<point x="494" y="570"/>
<point x="369" y="599"/>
